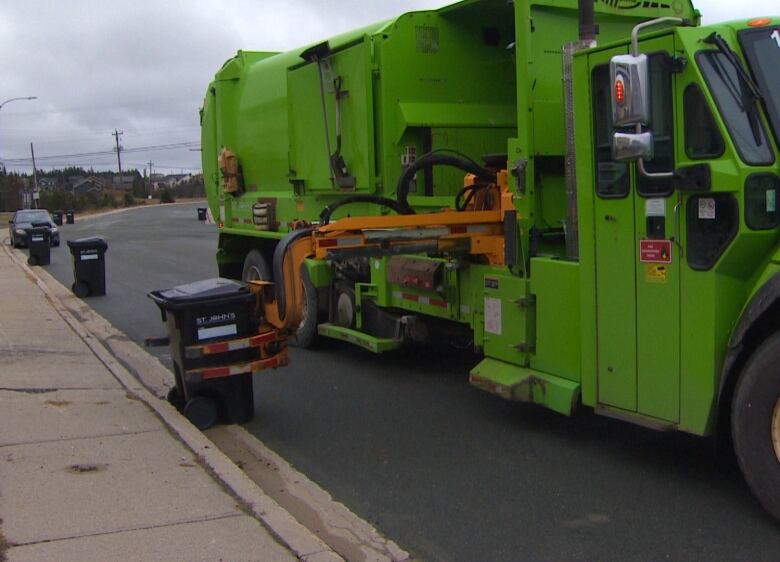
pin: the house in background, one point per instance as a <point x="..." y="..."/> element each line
<point x="47" y="184"/>
<point x="125" y="181"/>
<point x="90" y="184"/>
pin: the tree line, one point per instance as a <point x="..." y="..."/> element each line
<point x="14" y="184"/>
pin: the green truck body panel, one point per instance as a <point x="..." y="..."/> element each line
<point x="640" y="339"/>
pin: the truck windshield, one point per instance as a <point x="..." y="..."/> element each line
<point x="736" y="106"/>
<point x="762" y="50"/>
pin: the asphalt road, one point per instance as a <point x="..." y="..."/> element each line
<point x="449" y="472"/>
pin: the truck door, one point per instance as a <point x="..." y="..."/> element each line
<point x="637" y="256"/>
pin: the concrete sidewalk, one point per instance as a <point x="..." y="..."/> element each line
<point x="94" y="467"/>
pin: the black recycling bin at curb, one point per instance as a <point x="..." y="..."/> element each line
<point x="39" y="245"/>
<point x="201" y="213"/>
<point x="69" y="216"/>
<point x="57" y="217"/>
<point x="207" y="312"/>
<point x="89" y="266"/>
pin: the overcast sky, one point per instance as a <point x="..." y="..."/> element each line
<point x="142" y="66"/>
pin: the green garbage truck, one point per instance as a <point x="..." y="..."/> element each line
<point x="587" y="192"/>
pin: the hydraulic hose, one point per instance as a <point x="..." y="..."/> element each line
<point x="278" y="266"/>
<point x="374" y="199"/>
<point x="437" y="159"/>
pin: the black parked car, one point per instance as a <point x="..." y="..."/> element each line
<point x="28" y="218"/>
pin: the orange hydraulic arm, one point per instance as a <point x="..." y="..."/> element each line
<point x="479" y="230"/>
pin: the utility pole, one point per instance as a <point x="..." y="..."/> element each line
<point x="150" y="177"/>
<point x="35" y="179"/>
<point x="116" y="134"/>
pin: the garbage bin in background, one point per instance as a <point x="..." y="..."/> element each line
<point x="210" y="388"/>
<point x="202" y="213"/>
<point x="89" y="266"/>
<point x="70" y="216"/>
<point x="57" y="217"/>
<point x="39" y="245"/>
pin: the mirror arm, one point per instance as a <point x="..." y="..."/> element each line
<point x="640" y="163"/>
<point x="651" y="23"/>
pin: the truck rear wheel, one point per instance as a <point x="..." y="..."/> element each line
<point x="257" y="268"/>
<point x="755" y="424"/>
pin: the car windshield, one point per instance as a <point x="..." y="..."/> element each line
<point x="32" y="216"/>
<point x="762" y="50"/>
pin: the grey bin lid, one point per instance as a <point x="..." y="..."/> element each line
<point x="92" y="242"/>
<point x="208" y="291"/>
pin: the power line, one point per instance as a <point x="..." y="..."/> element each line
<point x="172" y="146"/>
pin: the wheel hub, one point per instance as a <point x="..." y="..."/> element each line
<point x="776" y="429"/>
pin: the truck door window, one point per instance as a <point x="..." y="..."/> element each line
<point x="612" y="179"/>
<point x="761" y="192"/>
<point x="726" y="87"/>
<point x="712" y="222"/>
<point x="702" y="136"/>
<point x="662" y="125"/>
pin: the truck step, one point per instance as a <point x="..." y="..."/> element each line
<point x="366" y="341"/>
<point x="521" y="384"/>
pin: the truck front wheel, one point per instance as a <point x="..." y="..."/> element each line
<point x="755" y="423"/>
<point x="256" y="268"/>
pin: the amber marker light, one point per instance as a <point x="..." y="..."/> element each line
<point x="759" y="22"/>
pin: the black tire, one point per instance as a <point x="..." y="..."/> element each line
<point x="755" y="424"/>
<point x="306" y="335"/>
<point x="202" y="411"/>
<point x="80" y="289"/>
<point x="175" y="398"/>
<point x="256" y="267"/>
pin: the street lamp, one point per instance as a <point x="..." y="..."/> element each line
<point x="14" y="99"/>
<point x="5" y="203"/>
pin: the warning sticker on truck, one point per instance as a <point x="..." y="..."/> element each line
<point x="655" y="251"/>
<point x="656" y="273"/>
<point x="493" y="316"/>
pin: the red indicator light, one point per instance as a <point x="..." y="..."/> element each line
<point x="328" y="242"/>
<point x="620" y="90"/>
<point x="759" y="22"/>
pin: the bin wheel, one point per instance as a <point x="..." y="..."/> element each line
<point x="80" y="289"/>
<point x="201" y="411"/>
<point x="32" y="260"/>
<point x="175" y="398"/>
<point x="755" y="424"/>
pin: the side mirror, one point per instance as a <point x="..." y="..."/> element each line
<point x="630" y="90"/>
<point x="627" y="147"/>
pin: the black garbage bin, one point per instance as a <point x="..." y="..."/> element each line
<point x="39" y="245"/>
<point x="57" y="217"/>
<point x="70" y="216"/>
<point x="209" y="311"/>
<point x="89" y="266"/>
<point x="202" y="213"/>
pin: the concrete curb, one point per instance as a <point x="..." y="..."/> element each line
<point x="277" y="520"/>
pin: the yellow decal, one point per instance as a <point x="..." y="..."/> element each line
<point x="656" y="273"/>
